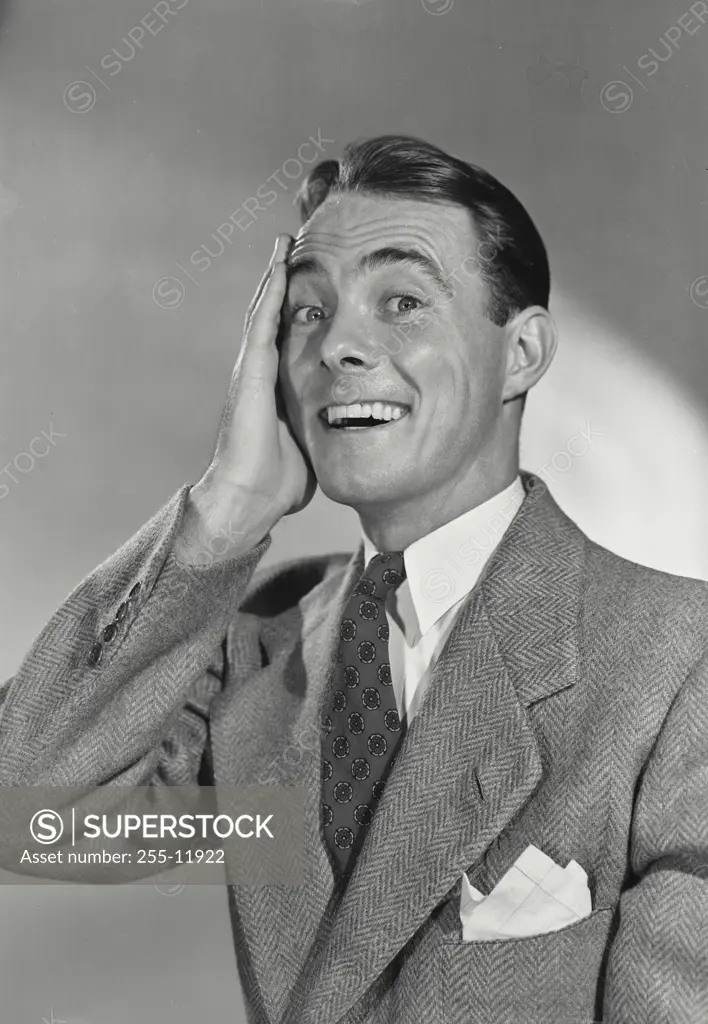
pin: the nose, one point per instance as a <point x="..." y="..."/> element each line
<point x="345" y="351"/>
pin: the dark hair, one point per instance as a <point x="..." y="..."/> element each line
<point x="517" y="274"/>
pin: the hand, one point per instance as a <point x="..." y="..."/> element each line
<point x="258" y="473"/>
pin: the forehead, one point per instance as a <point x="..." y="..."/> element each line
<point x="348" y="226"/>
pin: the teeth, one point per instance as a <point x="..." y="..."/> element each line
<point x="362" y="410"/>
<point x="336" y="412"/>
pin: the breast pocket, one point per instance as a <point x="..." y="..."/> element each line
<point x="543" y="979"/>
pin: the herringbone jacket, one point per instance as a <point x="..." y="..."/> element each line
<point x="568" y="709"/>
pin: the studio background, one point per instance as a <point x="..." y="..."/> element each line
<point x="109" y="181"/>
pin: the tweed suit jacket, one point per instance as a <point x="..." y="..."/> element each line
<point x="568" y="709"/>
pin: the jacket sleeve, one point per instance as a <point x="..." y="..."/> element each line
<point x="117" y="686"/>
<point x="658" y="962"/>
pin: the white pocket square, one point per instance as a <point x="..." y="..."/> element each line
<point x="533" y="897"/>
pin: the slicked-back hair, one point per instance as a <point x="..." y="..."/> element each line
<point x="511" y="256"/>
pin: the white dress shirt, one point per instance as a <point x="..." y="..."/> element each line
<point x="441" y="570"/>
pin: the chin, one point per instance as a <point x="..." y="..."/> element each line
<point x="355" y="491"/>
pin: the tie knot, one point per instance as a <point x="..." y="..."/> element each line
<point x="383" y="574"/>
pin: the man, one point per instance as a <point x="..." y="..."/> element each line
<point x="480" y="676"/>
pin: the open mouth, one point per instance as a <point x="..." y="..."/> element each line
<point x="363" y="415"/>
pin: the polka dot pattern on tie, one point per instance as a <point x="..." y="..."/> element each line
<point x="361" y="728"/>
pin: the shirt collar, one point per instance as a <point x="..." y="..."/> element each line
<point x="443" y="567"/>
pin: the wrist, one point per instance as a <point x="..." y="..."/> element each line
<point x="219" y="524"/>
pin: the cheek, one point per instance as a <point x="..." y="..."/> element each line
<point x="460" y="380"/>
<point x="291" y="355"/>
<point x="288" y="379"/>
<point x="295" y="379"/>
<point x="443" y="363"/>
<point x="300" y="347"/>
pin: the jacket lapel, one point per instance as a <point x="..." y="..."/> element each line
<point x="282" y="746"/>
<point x="470" y="760"/>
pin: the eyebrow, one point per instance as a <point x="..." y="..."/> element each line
<point x="305" y="265"/>
<point x="386" y="257"/>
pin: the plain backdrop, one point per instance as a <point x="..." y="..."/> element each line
<point x="105" y="193"/>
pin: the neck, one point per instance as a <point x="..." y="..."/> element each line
<point x="394" y="526"/>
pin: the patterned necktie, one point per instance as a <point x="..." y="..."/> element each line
<point x="362" y="729"/>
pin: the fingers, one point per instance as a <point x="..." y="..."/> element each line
<point x="280" y="252"/>
<point x="282" y="246"/>
<point x="265" y="321"/>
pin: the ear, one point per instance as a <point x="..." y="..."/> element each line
<point x="531" y="339"/>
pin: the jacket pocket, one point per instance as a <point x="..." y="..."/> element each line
<point x="556" y="978"/>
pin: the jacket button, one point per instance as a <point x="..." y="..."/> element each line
<point x="95" y="654"/>
<point x="134" y="592"/>
<point x="109" y="632"/>
<point x="122" y="609"/>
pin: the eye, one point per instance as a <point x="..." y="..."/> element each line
<point x="402" y="304"/>
<point x="307" y="314"/>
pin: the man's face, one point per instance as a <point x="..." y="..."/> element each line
<point x="369" y="319"/>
